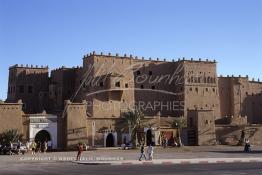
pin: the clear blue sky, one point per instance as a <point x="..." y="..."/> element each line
<point x="59" y="32"/>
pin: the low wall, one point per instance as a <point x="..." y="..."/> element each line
<point x="231" y="135"/>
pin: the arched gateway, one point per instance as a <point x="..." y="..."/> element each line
<point x="42" y="136"/>
<point x="43" y="127"/>
<point x="110" y="142"/>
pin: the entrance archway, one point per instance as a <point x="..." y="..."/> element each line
<point x="42" y="136"/>
<point x="148" y="137"/>
<point x="110" y="140"/>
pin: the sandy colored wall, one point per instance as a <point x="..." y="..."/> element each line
<point x="11" y="117"/>
<point x="230" y="135"/>
<point x="76" y="129"/>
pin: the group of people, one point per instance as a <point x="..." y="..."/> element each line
<point x="150" y="152"/>
<point x="165" y="142"/>
<point x="38" y="147"/>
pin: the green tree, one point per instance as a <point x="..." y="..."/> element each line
<point x="178" y="124"/>
<point x="134" y="118"/>
<point x="10" y="135"/>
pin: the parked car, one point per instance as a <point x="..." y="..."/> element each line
<point x="126" y="146"/>
<point x="5" y="149"/>
<point x="15" y="149"/>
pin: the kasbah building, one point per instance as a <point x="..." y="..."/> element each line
<point x="86" y="103"/>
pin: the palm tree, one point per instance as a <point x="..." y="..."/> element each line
<point x="134" y="119"/>
<point x="11" y="135"/>
<point x="178" y="124"/>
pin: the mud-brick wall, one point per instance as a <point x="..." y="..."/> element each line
<point x="11" y="117"/>
<point x="76" y="128"/>
<point x="230" y="135"/>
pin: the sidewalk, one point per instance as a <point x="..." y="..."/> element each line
<point x="172" y="161"/>
<point x="185" y="155"/>
<point x="200" y="154"/>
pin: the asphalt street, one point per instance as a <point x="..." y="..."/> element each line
<point x="75" y="169"/>
<point x="40" y="165"/>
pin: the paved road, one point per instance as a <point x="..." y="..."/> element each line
<point x="75" y="169"/>
<point x="20" y="165"/>
<point x="170" y="153"/>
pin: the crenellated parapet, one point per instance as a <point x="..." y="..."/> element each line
<point x="67" y="68"/>
<point x="131" y="56"/>
<point x="239" y="77"/>
<point x="27" y="66"/>
<point x="237" y="120"/>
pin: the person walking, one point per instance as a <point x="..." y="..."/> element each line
<point x="45" y="146"/>
<point x="166" y="142"/>
<point x="11" y="148"/>
<point x="49" y="144"/>
<point x="142" y="152"/>
<point x="150" y="152"/>
<point x="27" y="146"/>
<point x="80" y="150"/>
<point x="33" y="146"/>
<point x="19" y="147"/>
<point x="247" y="147"/>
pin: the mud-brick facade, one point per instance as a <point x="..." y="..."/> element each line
<point x="241" y="97"/>
<point x="87" y="103"/>
<point x="11" y="116"/>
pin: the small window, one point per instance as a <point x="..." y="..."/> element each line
<point x="153" y="87"/>
<point x="207" y="89"/>
<point x="190" y="89"/>
<point x="126" y="85"/>
<point x="142" y="86"/>
<point x="30" y="89"/>
<point x="21" y="89"/>
<point x="150" y="73"/>
<point x="138" y="72"/>
<point x="101" y="84"/>
<point x="117" y="84"/>
<point x="214" y="90"/>
<point x="196" y="89"/>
